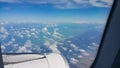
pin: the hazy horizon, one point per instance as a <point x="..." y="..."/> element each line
<point x="55" y="11"/>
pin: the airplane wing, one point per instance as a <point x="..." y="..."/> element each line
<point x="35" y="61"/>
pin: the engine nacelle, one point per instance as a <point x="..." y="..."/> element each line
<point x="52" y="60"/>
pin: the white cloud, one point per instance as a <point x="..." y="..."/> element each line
<point x="86" y="54"/>
<point x="57" y="35"/>
<point x="13" y="39"/>
<point x="97" y="4"/>
<point x="66" y="4"/>
<point x="54" y="48"/>
<point x="74" y="46"/>
<point x="94" y="46"/>
<point x="3" y="47"/>
<point x="70" y="50"/>
<point x="28" y="44"/>
<point x="27" y="33"/>
<point x="20" y="35"/>
<point x="44" y="30"/>
<point x="82" y="50"/>
<point x="33" y="30"/>
<point x="27" y="47"/>
<point x="74" y="61"/>
<point x="64" y="48"/>
<point x="23" y="49"/>
<point x="10" y="1"/>
<point x="85" y="3"/>
<point x="15" y="45"/>
<point x="69" y="41"/>
<point x="3" y="30"/>
<point x="47" y="43"/>
<point x="78" y="1"/>
<point x="3" y="33"/>
<point x="80" y="56"/>
<point x="105" y="3"/>
<point x="110" y="2"/>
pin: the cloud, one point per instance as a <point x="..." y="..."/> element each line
<point x="57" y="35"/>
<point x="10" y="1"/>
<point x="20" y="35"/>
<point x="66" y="4"/>
<point x="3" y="47"/>
<point x="3" y="33"/>
<point x="28" y="44"/>
<point x="74" y="61"/>
<point x="101" y="3"/>
<point x="23" y="49"/>
<point x="80" y="56"/>
<point x="110" y="2"/>
<point x="54" y="48"/>
<point x="94" y="46"/>
<point x="86" y="54"/>
<point x="47" y="43"/>
<point x="47" y="1"/>
<point x="26" y="48"/>
<point x="64" y="48"/>
<point x="82" y="50"/>
<point x="45" y="30"/>
<point x="74" y="46"/>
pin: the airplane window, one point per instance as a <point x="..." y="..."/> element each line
<point x="51" y="33"/>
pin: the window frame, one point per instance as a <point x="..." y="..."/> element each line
<point x="109" y="45"/>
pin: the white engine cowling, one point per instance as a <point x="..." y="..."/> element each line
<point x="35" y="61"/>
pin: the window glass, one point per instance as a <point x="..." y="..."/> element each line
<point x="71" y="28"/>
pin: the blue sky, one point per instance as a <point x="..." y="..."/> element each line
<point x="55" y="11"/>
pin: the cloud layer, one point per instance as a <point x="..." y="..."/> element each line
<point x="66" y="4"/>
